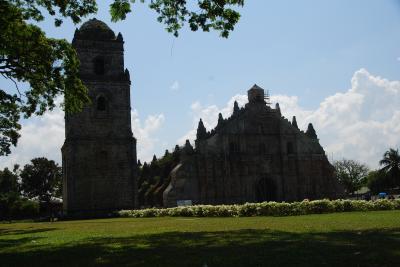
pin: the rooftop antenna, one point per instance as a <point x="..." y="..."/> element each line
<point x="267" y="98"/>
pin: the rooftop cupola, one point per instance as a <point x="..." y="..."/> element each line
<point x="95" y="30"/>
<point x="256" y="94"/>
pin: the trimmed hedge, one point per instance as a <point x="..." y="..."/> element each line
<point x="266" y="209"/>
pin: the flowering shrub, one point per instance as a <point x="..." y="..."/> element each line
<point x="266" y="209"/>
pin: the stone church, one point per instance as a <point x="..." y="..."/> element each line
<point x="255" y="155"/>
<point x="99" y="152"/>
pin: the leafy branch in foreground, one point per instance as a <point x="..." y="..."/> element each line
<point x="50" y="67"/>
<point x="218" y="15"/>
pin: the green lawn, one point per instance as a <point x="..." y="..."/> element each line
<point x="337" y="239"/>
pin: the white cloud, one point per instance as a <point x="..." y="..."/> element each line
<point x="144" y="134"/>
<point x="43" y="137"/>
<point x="398" y="59"/>
<point x="361" y="123"/>
<point x="40" y="137"/>
<point x="209" y="115"/>
<point x="175" y="86"/>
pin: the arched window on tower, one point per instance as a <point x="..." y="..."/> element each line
<point x="98" y="65"/>
<point x="101" y="103"/>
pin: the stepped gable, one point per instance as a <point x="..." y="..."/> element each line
<point x="254" y="155"/>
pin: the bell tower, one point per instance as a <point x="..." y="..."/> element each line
<point x="99" y="152"/>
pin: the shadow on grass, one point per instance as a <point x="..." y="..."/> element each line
<point x="230" y="248"/>
<point x="4" y="232"/>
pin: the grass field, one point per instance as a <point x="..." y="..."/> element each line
<point x="337" y="239"/>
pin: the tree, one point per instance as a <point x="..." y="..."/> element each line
<point x="351" y="174"/>
<point x="9" y="193"/>
<point x="12" y="206"/>
<point x="50" y="67"/>
<point x="208" y="14"/>
<point x="377" y="181"/>
<point x="42" y="179"/>
<point x="154" y="178"/>
<point x="9" y="182"/>
<point x="391" y="166"/>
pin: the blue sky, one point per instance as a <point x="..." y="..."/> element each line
<point x="306" y="49"/>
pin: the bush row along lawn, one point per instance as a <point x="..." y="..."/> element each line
<point x="336" y="239"/>
<point x="267" y="209"/>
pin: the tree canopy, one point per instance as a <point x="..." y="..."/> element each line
<point x="154" y="178"/>
<point x="8" y="182"/>
<point x="377" y="181"/>
<point x="351" y="174"/>
<point x="50" y="67"/>
<point x="42" y="178"/>
<point x="391" y="166"/>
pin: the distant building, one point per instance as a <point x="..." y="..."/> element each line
<point x="99" y="152"/>
<point x="255" y="155"/>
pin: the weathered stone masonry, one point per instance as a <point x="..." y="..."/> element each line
<point x="99" y="153"/>
<point x="255" y="155"/>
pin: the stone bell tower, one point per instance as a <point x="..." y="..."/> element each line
<point x="99" y="152"/>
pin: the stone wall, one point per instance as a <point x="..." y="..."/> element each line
<point x="255" y="155"/>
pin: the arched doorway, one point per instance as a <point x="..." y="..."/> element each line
<point x="265" y="190"/>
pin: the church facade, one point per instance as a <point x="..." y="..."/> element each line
<point x="255" y="155"/>
<point x="99" y="152"/>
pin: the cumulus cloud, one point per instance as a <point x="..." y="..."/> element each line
<point x="145" y="134"/>
<point x="209" y="115"/>
<point x="175" y="86"/>
<point x="361" y="123"/>
<point x="43" y="137"/>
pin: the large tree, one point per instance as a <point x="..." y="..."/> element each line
<point x="10" y="199"/>
<point x="351" y="174"/>
<point x="391" y="166"/>
<point x="9" y="185"/>
<point x="41" y="179"/>
<point x="377" y="181"/>
<point x="49" y="67"/>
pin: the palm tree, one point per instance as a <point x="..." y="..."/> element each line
<point x="391" y="166"/>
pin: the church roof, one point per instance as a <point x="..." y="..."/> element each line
<point x="95" y="29"/>
<point x="256" y="87"/>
